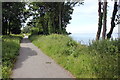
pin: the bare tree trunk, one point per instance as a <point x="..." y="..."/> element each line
<point x="60" y="17"/>
<point x="104" y="19"/>
<point x="100" y="20"/>
<point x="113" y="20"/>
<point x="6" y="26"/>
<point x="9" y="28"/>
<point x="53" y="24"/>
<point x="47" y="31"/>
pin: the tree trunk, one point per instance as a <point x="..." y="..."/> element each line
<point x="60" y="17"/>
<point x="9" y="28"/>
<point x="6" y="26"/>
<point x="53" y="24"/>
<point x="113" y="20"/>
<point x="104" y="19"/>
<point x="100" y="20"/>
<point x="47" y="31"/>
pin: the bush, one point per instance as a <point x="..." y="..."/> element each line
<point x="34" y="31"/>
<point x="10" y="48"/>
<point x="106" y="46"/>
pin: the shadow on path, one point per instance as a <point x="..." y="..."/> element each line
<point x="26" y="53"/>
<point x="33" y="63"/>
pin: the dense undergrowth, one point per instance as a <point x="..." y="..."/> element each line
<point x="98" y="60"/>
<point x="10" y="48"/>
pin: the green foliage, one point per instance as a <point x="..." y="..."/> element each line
<point x="10" y="48"/>
<point x="82" y="61"/>
<point x="13" y="15"/>
<point x="106" y="46"/>
<point x="26" y="29"/>
<point x="34" y="30"/>
<point x="53" y="17"/>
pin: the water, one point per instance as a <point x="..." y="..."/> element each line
<point x="86" y="38"/>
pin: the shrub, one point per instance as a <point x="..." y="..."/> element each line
<point x="34" y="31"/>
<point x="10" y="48"/>
<point x="105" y="46"/>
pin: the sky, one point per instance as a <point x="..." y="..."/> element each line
<point x="85" y="18"/>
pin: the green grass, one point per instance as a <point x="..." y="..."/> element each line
<point x="0" y="56"/>
<point x="99" y="60"/>
<point x="10" y="48"/>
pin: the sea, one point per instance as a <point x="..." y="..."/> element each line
<point x="86" y="38"/>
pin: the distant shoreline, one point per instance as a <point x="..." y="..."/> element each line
<point x="86" y="38"/>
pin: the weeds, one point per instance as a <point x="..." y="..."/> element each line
<point x="99" y="60"/>
<point x="10" y="48"/>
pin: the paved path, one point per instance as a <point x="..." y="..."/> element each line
<point x="32" y="63"/>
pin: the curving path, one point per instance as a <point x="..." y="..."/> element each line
<point x="32" y="63"/>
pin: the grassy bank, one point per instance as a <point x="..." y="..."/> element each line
<point x="10" y="48"/>
<point x="99" y="60"/>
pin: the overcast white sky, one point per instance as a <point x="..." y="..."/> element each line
<point x="85" y="18"/>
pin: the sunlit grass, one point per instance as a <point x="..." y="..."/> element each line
<point x="10" y="48"/>
<point x="82" y="61"/>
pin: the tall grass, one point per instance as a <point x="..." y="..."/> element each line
<point x="10" y="48"/>
<point x="0" y="56"/>
<point x="99" y="60"/>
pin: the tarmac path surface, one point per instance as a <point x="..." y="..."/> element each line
<point x="33" y="63"/>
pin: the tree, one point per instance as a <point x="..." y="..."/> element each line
<point x="100" y="19"/>
<point x="52" y="18"/>
<point x="104" y="19"/>
<point x="13" y="15"/>
<point x="113" y="19"/>
<point x="60" y="23"/>
<point x="48" y="17"/>
<point x="26" y="29"/>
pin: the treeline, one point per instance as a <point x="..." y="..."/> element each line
<point x="51" y="17"/>
<point x="47" y="17"/>
<point x="13" y="15"/>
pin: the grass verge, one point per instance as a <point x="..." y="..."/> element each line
<point x="99" y="60"/>
<point x="0" y="57"/>
<point x="10" y="48"/>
